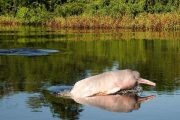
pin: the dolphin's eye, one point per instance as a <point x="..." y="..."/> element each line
<point x="136" y="74"/>
<point x="136" y="83"/>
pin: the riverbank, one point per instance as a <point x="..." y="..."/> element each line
<point x="155" y="22"/>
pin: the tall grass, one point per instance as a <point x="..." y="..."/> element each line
<point x="156" y="22"/>
<point x="9" y="21"/>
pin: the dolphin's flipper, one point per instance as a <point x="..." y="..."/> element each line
<point x="114" y="90"/>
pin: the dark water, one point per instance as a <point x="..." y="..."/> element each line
<point x="156" y="55"/>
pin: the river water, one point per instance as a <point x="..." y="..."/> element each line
<point x="83" y="53"/>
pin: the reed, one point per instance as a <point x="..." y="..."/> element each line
<point x="9" y="21"/>
<point x="156" y="22"/>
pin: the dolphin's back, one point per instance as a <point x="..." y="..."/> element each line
<point x="107" y="83"/>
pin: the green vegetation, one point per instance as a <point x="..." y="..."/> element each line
<point x="134" y="14"/>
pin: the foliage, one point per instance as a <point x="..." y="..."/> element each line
<point x="41" y="11"/>
<point x="69" y="9"/>
<point x="33" y="16"/>
<point x="131" y="7"/>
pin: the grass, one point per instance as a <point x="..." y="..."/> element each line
<point x="9" y="21"/>
<point x="155" y="22"/>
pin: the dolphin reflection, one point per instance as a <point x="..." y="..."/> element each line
<point x="115" y="103"/>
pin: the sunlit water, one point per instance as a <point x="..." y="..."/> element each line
<point x="85" y="53"/>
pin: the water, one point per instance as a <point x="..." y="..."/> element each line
<point x="156" y="55"/>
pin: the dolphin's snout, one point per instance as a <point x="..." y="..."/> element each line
<point x="147" y="82"/>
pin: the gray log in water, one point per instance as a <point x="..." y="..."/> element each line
<point x="27" y="51"/>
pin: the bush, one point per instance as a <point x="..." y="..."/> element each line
<point x="22" y="14"/>
<point x="134" y="9"/>
<point x="72" y="9"/>
<point x="37" y="15"/>
<point x="117" y="9"/>
<point x="92" y="9"/>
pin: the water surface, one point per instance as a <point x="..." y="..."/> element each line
<point x="156" y="55"/>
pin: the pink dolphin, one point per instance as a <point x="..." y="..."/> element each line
<point x="108" y="83"/>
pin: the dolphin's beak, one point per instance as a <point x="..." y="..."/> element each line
<point x="147" y="82"/>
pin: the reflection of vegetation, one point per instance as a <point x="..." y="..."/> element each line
<point x="35" y="103"/>
<point x="63" y="108"/>
<point x="60" y="107"/>
<point x="39" y="34"/>
<point x="157" y="60"/>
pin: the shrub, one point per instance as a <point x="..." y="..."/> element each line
<point x="22" y="14"/>
<point x="117" y="9"/>
<point x="72" y="9"/>
<point x="37" y="15"/>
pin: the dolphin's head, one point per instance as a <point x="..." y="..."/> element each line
<point x="128" y="79"/>
<point x="141" y="80"/>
